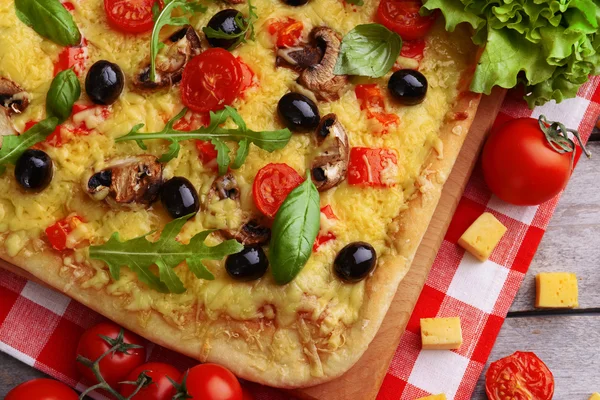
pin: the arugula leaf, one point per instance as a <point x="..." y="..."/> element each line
<point x="166" y="253"/>
<point x="13" y="146"/>
<point x="50" y="19"/>
<point x="368" y="50"/>
<point x="245" y="23"/>
<point x="356" y="2"/>
<point x="294" y="231"/>
<point x="64" y="91"/>
<point x="165" y="18"/>
<point x="266" y="140"/>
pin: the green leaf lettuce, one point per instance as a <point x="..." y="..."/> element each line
<point x="552" y="46"/>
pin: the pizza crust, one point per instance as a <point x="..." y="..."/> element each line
<point x="237" y="344"/>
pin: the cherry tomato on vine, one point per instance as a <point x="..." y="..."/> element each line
<point x="116" y="366"/>
<point x="272" y="184"/>
<point x="42" y="389"/>
<point x="521" y="167"/>
<point x="402" y="17"/>
<point x="160" y="388"/>
<point x="130" y="16"/>
<point x="212" y="382"/>
<point x="211" y="80"/>
<point x="520" y="376"/>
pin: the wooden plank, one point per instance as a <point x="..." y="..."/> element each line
<point x="14" y="372"/>
<point x="568" y="344"/>
<point x="364" y="379"/>
<point x="571" y="242"/>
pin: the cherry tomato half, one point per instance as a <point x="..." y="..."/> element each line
<point x="160" y="388"/>
<point x="211" y="80"/>
<point x="42" y="389"/>
<point x="131" y="16"/>
<point x="272" y="184"/>
<point x="212" y="382"/>
<point x="521" y="167"/>
<point x="520" y="376"/>
<point x="402" y="17"/>
<point x="114" y="367"/>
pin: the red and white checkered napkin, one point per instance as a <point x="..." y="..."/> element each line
<point x="41" y="327"/>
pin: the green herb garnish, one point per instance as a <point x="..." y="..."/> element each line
<point x="266" y="140"/>
<point x="294" y="231"/>
<point x="165" y="18"/>
<point x="50" y="19"/>
<point x="64" y="91"/>
<point x="368" y="50"/>
<point x="139" y="255"/>
<point x="245" y="23"/>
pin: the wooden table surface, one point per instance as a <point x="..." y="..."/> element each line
<point x="569" y="341"/>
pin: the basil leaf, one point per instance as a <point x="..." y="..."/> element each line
<point x="294" y="232"/>
<point x="14" y="145"/>
<point x="63" y="93"/>
<point x="49" y="19"/>
<point x="368" y="50"/>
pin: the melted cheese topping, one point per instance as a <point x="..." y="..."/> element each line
<point x="363" y="213"/>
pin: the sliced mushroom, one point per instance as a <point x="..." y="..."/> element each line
<point x="133" y="180"/>
<point x="329" y="167"/>
<point x="250" y="232"/>
<point x="299" y="58"/>
<point x="179" y="48"/>
<point x="224" y="187"/>
<point x="316" y="61"/>
<point x="12" y="97"/>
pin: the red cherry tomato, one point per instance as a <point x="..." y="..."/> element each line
<point x="114" y="367"/>
<point x="402" y="17"/>
<point x="130" y="16"/>
<point x="272" y="184"/>
<point x="247" y="75"/>
<point x="520" y="376"/>
<point x="211" y="80"/>
<point x="370" y="167"/>
<point x="212" y="382"/>
<point x="160" y="388"/>
<point x="519" y="165"/>
<point x="288" y="32"/>
<point x="413" y="49"/>
<point x="59" y="232"/>
<point x="42" y="389"/>
<point x="372" y="101"/>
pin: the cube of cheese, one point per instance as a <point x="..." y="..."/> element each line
<point x="595" y="396"/>
<point x="441" y="333"/>
<point x="483" y="236"/>
<point x="440" y="397"/>
<point x="556" y="290"/>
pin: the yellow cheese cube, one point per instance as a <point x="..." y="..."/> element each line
<point x="556" y="290"/>
<point x="595" y="396"/>
<point x="441" y="333"/>
<point x="441" y="397"/>
<point x="483" y="236"/>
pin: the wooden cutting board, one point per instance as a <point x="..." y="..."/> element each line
<point x="364" y="379"/>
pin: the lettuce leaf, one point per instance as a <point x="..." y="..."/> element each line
<point x="551" y="46"/>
